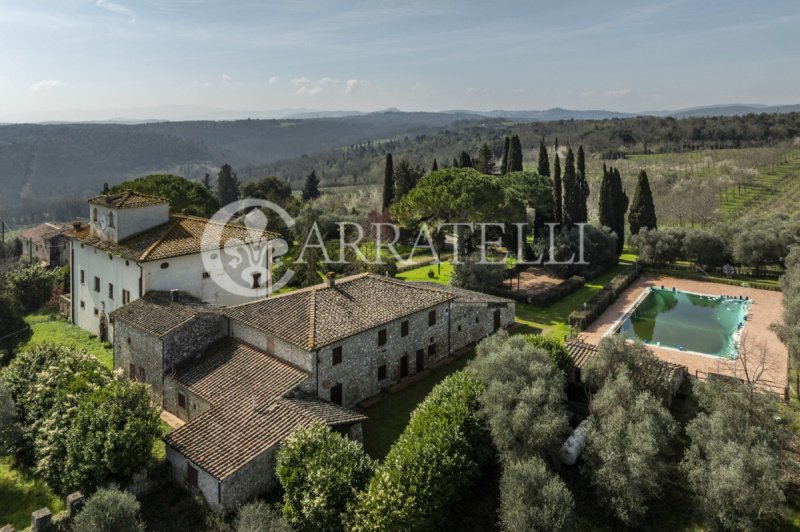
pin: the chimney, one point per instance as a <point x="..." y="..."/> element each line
<point x="76" y="225"/>
<point x="331" y="279"/>
<point x="173" y="294"/>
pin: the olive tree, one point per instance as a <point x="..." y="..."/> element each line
<point x="629" y="433"/>
<point x="258" y="516"/>
<point x="524" y="402"/>
<point x="532" y="498"/>
<point x="110" y="509"/>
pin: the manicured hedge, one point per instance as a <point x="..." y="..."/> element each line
<point x="434" y="463"/>
<point x="598" y="303"/>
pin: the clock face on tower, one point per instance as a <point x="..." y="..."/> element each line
<point x="103" y="221"/>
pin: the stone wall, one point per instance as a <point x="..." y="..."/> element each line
<point x="207" y="485"/>
<point x="142" y="349"/>
<point x="471" y="322"/>
<point x="192" y="337"/>
<point x="195" y="405"/>
<point x="362" y="356"/>
<point x="268" y="343"/>
<point x="255" y="478"/>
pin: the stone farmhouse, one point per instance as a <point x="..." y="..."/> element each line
<point x="45" y="244"/>
<point x="242" y="377"/>
<point x="131" y="245"/>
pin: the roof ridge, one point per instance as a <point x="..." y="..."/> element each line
<point x="312" y="316"/>
<point x="160" y="239"/>
<point x="410" y="284"/>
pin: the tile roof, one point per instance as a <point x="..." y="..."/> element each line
<point x="660" y="374"/>
<point x="321" y="315"/>
<point x="232" y="371"/>
<point x="181" y="235"/>
<point x="157" y="313"/>
<point x="42" y="232"/>
<point x="127" y="200"/>
<point x="249" y="413"/>
<point x="462" y="294"/>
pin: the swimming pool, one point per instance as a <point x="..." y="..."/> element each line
<point x="705" y="324"/>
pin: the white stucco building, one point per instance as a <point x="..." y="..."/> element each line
<point x="133" y="244"/>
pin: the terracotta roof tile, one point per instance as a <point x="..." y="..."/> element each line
<point x="232" y="371"/>
<point x="42" y="232"/>
<point x="321" y="315"/>
<point x="127" y="200"/>
<point x="249" y="414"/>
<point x="157" y="313"/>
<point x="462" y="294"/>
<point x="182" y="235"/>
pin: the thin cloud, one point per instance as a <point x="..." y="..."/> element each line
<point x="226" y="78"/>
<point x="297" y="82"/>
<point x="308" y="91"/>
<point x="352" y="85"/>
<point x="616" y="93"/>
<point x="274" y="79"/>
<point x="118" y="9"/>
<point x="45" y="84"/>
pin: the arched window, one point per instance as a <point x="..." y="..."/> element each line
<point x="94" y="215"/>
<point x="111" y="219"/>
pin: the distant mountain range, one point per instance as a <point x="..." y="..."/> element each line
<point x="179" y="113"/>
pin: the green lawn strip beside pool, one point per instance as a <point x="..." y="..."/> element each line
<point x="48" y="326"/>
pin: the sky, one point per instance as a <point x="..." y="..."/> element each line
<point x="99" y="59"/>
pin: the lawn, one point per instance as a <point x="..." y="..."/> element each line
<point x="441" y="273"/>
<point x="48" y="326"/>
<point x="552" y="320"/>
<point x="389" y="416"/>
<point x="21" y="494"/>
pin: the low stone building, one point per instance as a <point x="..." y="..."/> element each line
<point x="45" y="244"/>
<point x="242" y="378"/>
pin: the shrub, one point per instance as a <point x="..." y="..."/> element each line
<point x="321" y="473"/>
<point x="260" y="517"/>
<point x="524" y="402"/>
<point x="532" y="498"/>
<point x="9" y="427"/>
<point x="473" y="275"/>
<point x="628" y="435"/>
<point x="73" y="411"/>
<point x="555" y="348"/>
<point x="33" y="285"/>
<point x="434" y="462"/>
<point x="13" y="328"/>
<point x="600" y="301"/>
<point x="599" y="251"/>
<point x="109" y="510"/>
<point x="111" y="435"/>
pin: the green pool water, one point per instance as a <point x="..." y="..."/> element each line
<point x="685" y="321"/>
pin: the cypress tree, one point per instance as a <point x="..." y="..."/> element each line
<point x="504" y="160"/>
<point x="388" y="182"/>
<point x="207" y="181"/>
<point x="311" y="187"/>
<point x="622" y="203"/>
<point x="643" y="212"/>
<point x="406" y="178"/>
<point x="227" y="185"/>
<point x="485" y="161"/>
<point x="582" y="189"/>
<point x="455" y="162"/>
<point x="558" y="199"/>
<point x="571" y="193"/>
<point x="435" y="166"/>
<point x="465" y="161"/>
<point x="544" y="160"/>
<point x="515" y="155"/>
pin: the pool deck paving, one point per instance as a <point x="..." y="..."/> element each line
<point x="757" y="338"/>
